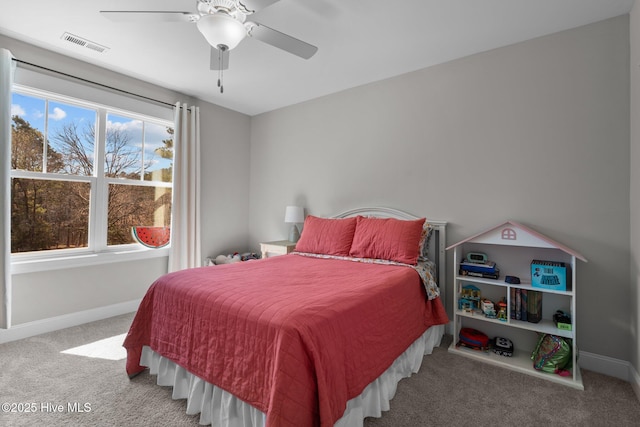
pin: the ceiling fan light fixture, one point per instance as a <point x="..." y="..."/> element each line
<point x="222" y="29"/>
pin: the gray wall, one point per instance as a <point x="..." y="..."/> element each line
<point x="635" y="189"/>
<point x="225" y="146"/>
<point x="536" y="132"/>
<point x="225" y="143"/>
<point x="48" y="294"/>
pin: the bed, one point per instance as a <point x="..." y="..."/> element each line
<point x="319" y="337"/>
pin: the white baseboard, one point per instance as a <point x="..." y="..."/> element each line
<point x="43" y="326"/>
<point x="617" y="368"/>
<point x="635" y="382"/>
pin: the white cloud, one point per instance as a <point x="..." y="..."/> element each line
<point x="17" y="110"/>
<point x="58" y="114"/>
<point x="133" y="125"/>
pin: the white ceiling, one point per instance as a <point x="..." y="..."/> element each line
<point x="359" y="41"/>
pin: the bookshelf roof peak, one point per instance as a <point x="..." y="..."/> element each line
<point x="509" y="233"/>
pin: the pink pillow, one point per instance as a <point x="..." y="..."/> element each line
<point x="326" y="236"/>
<point x="387" y="238"/>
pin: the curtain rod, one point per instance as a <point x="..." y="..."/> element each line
<point x="92" y="82"/>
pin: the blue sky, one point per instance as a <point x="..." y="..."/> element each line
<point x="32" y="110"/>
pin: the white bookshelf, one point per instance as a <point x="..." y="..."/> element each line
<point x="512" y="247"/>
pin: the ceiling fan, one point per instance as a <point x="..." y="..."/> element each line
<point x="223" y="23"/>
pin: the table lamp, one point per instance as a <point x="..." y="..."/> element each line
<point x="294" y="215"/>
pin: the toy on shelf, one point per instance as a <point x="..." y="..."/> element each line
<point x="469" y="299"/>
<point x="562" y="320"/>
<point x="474" y="339"/>
<point x="488" y="309"/>
<point x="513" y="280"/>
<point x="503" y="346"/>
<point x="502" y="310"/>
<point x="465" y="305"/>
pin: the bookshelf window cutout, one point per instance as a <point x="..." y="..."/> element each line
<point x="509" y="234"/>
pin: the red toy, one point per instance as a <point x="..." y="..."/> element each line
<point x="473" y="338"/>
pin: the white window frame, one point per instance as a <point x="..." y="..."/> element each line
<point x="97" y="252"/>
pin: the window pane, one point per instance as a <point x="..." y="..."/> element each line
<point x="48" y="214"/>
<point x="131" y="205"/>
<point x="71" y="134"/>
<point x="158" y="153"/>
<point x="27" y="133"/>
<point x="123" y="147"/>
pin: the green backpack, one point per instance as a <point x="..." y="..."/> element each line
<point x="552" y="354"/>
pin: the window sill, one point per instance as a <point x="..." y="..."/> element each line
<point x="37" y="264"/>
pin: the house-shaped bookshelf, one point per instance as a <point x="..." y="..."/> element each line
<point x="515" y="249"/>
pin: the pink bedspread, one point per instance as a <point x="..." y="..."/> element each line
<point x="294" y="336"/>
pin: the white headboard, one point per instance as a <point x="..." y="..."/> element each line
<point x="436" y="245"/>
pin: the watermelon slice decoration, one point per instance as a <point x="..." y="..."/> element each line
<point x="151" y="237"/>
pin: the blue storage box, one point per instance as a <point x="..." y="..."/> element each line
<point x="549" y="275"/>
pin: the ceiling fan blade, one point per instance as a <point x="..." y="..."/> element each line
<point x="148" y="16"/>
<point x="282" y="41"/>
<point x="256" y="5"/>
<point x="216" y="63"/>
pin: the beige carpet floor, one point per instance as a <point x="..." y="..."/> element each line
<point x="65" y="378"/>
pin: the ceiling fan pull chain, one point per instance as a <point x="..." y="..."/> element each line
<point x="221" y="49"/>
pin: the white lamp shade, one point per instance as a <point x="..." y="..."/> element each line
<point x="294" y="214"/>
<point x="221" y="29"/>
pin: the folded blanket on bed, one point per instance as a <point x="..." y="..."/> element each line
<point x="294" y="336"/>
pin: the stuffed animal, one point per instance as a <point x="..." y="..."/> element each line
<point x="235" y="257"/>
<point x="228" y="259"/>
<point x="222" y="259"/>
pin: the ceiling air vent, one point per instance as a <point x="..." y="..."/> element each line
<point x="83" y="42"/>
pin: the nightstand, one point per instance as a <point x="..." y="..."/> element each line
<point x="280" y="247"/>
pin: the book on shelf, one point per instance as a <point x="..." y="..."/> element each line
<point x="488" y="267"/>
<point x="534" y="306"/>
<point x="550" y="275"/>
<point x="495" y="275"/>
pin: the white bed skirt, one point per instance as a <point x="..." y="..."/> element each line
<point x="222" y="409"/>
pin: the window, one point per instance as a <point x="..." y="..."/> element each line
<point x="509" y="234"/>
<point x="83" y="174"/>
